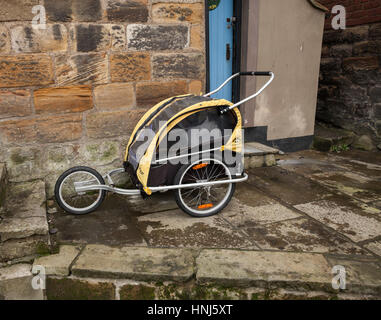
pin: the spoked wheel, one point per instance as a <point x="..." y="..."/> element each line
<point x="204" y="201"/>
<point x="79" y="202"/>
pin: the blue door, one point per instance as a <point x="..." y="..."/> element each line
<point x="220" y="46"/>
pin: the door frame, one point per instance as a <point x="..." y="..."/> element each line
<point x="237" y="12"/>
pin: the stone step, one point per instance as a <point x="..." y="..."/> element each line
<point x="258" y="155"/>
<point x="243" y="273"/>
<point x="24" y="227"/>
<point x="327" y="138"/>
<point x="3" y="184"/>
<point x="16" y="283"/>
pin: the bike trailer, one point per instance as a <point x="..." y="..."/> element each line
<point x="142" y="160"/>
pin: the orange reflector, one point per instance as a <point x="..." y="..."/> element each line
<point x="206" y="206"/>
<point x="199" y="166"/>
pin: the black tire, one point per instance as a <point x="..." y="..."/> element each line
<point x="181" y="204"/>
<point x="75" y="211"/>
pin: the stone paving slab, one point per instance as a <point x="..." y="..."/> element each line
<point x="374" y="246"/>
<point x="242" y="215"/>
<point x="112" y="224"/>
<point x="137" y="263"/>
<point x="177" y="229"/>
<point x="16" y="283"/>
<point x="157" y="202"/>
<point x="346" y="217"/>
<point x="288" y="186"/>
<point x="355" y="185"/>
<point x="18" y="228"/>
<point x="302" y="235"/>
<point x="26" y="200"/>
<point x="59" y="264"/>
<point x="247" y="268"/>
<point x="360" y="275"/>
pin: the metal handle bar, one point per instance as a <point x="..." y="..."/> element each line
<point x="247" y="73"/>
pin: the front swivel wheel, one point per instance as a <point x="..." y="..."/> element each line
<point x="79" y="202"/>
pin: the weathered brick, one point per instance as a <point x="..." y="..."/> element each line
<point x="15" y="103"/>
<point x="74" y="289"/>
<point x="112" y="124"/>
<point x="81" y="69"/>
<point x="151" y="37"/>
<point x="114" y="96"/>
<point x="42" y="130"/>
<point x="25" y="70"/>
<point x="73" y="10"/>
<point x="375" y="94"/>
<point x="127" y="10"/>
<point x="5" y="40"/>
<point x="149" y="94"/>
<point x="93" y="37"/>
<point x="360" y="63"/>
<point x="177" y="65"/>
<point x="28" y="39"/>
<point x="126" y="67"/>
<point x="375" y="31"/>
<point x="367" y="47"/>
<point x="197" y="37"/>
<point x="61" y="100"/>
<point x="195" y="87"/>
<point x="172" y="12"/>
<point x="17" y="10"/>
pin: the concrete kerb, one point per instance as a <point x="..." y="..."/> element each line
<point x="267" y="270"/>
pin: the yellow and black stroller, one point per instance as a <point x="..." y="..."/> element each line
<point x="190" y="144"/>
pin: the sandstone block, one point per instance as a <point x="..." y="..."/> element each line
<point x="25" y="70"/>
<point x="43" y="130"/>
<point x="73" y="10"/>
<point x="195" y="87"/>
<point x="177" y="65"/>
<point x="111" y="124"/>
<point x="15" y="103"/>
<point x="153" y="37"/>
<point x="126" y="67"/>
<point x="149" y="94"/>
<point x="114" y="96"/>
<point x="19" y="228"/>
<point x="93" y="37"/>
<point x="61" y="100"/>
<point x="58" y="264"/>
<point x="361" y="63"/>
<point x="17" y="10"/>
<point x="30" y="40"/>
<point x="118" y="37"/>
<point x="137" y="263"/>
<point x="197" y="37"/>
<point x="127" y="10"/>
<point x="88" y="68"/>
<point x="19" y="248"/>
<point x="5" y="40"/>
<point x="176" y="12"/>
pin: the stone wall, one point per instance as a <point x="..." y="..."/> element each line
<point x="71" y="94"/>
<point x="350" y="76"/>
